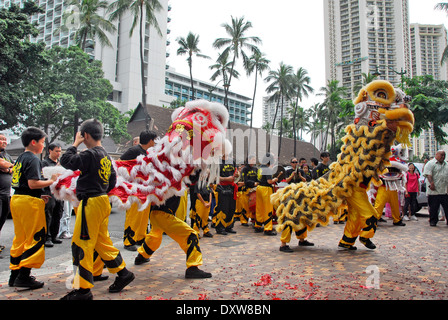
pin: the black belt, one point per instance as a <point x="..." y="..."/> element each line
<point x="31" y="193"/>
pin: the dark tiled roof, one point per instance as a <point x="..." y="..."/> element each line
<point x="162" y="121"/>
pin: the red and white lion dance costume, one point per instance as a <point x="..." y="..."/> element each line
<point x="195" y="139"/>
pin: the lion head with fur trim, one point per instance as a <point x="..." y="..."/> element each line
<point x="380" y="102"/>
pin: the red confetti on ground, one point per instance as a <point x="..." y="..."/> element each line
<point x="264" y="281"/>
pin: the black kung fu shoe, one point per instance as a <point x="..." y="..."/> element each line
<point x="81" y="294"/>
<point x="195" y="273"/>
<point x="305" y="243"/>
<point x="344" y="246"/>
<point x="286" y="248"/>
<point x="25" y="280"/>
<point x="368" y="243"/>
<point x="121" y="281"/>
<point x="140" y="260"/>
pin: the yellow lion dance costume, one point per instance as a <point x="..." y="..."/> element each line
<point x="382" y="116"/>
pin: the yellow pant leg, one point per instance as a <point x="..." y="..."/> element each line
<point x="239" y="204"/>
<point x="394" y="206"/>
<point x="245" y="212"/>
<point x="264" y="208"/>
<point x="381" y="199"/>
<point x="98" y="265"/>
<point x="135" y="225"/>
<point x="202" y="216"/>
<point x="360" y="214"/>
<point x="97" y="213"/>
<point x="28" y="215"/>
<point x="181" y="212"/>
<point x="176" y="229"/>
<point x="286" y="234"/>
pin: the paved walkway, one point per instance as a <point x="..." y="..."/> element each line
<point x="409" y="263"/>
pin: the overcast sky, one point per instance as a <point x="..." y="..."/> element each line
<point x="292" y="31"/>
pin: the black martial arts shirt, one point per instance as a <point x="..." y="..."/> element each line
<point x="97" y="176"/>
<point x="250" y="176"/>
<point x="27" y="167"/>
<point x="133" y="152"/>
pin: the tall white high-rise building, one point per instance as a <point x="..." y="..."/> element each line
<point x="366" y="36"/>
<point x="121" y="62"/>
<point x="427" y="45"/>
<point x="269" y="108"/>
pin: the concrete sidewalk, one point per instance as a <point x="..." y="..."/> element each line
<point x="410" y="262"/>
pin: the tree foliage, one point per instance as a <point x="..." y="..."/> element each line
<point x="18" y="57"/>
<point x="71" y="89"/>
<point x="429" y="105"/>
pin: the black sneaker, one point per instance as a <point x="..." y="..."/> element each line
<point x="305" y="243"/>
<point x="78" y="295"/>
<point x="368" y="243"/>
<point x="230" y="230"/>
<point x="344" y="246"/>
<point x="270" y="233"/>
<point x="131" y="247"/>
<point x="100" y="278"/>
<point x="221" y="231"/>
<point x="121" y="282"/>
<point x="140" y="260"/>
<point x="13" y="277"/>
<point x="286" y="249"/>
<point x="208" y="235"/>
<point x="56" y="241"/>
<point x="399" y="223"/>
<point x="28" y="282"/>
<point x="49" y="243"/>
<point x="195" y="273"/>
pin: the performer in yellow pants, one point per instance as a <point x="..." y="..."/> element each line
<point x="181" y="211"/>
<point x="136" y="223"/>
<point x="242" y="206"/>
<point x="301" y="235"/>
<point x="361" y="220"/>
<point x="97" y="213"/>
<point x="199" y="217"/>
<point x="162" y="219"/>
<point x="264" y="209"/>
<point x="135" y="226"/>
<point x="388" y="196"/>
<point x="28" y="214"/>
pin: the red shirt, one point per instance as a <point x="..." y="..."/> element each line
<point x="412" y="184"/>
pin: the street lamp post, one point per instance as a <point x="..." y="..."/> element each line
<point x="401" y="73"/>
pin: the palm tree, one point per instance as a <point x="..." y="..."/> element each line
<point x="138" y="9"/>
<point x="443" y="6"/>
<point x="302" y="89"/>
<point x="366" y="79"/>
<point x="332" y="105"/>
<point x="92" y="25"/>
<point x="236" y="44"/>
<point x="189" y="46"/>
<point x="223" y="68"/>
<point x="256" y="63"/>
<point x="315" y="117"/>
<point x="280" y="87"/>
